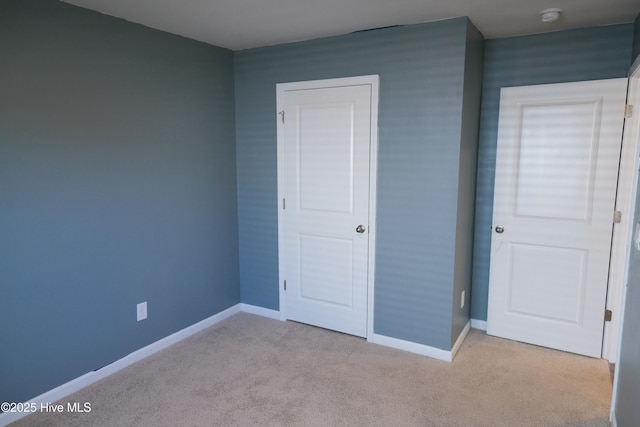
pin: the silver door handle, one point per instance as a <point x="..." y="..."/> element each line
<point x="499" y="229"/>
<point x="360" y="228"/>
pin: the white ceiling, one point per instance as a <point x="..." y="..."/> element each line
<point x="242" y="24"/>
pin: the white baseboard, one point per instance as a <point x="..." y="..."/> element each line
<point x="461" y="337"/>
<point x="412" y="347"/>
<point x="612" y="418"/>
<point x="260" y="311"/>
<point x="424" y="350"/>
<point x="479" y="324"/>
<point x="89" y="378"/>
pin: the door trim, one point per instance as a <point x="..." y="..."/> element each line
<point x="281" y="88"/>
<point x="630" y="136"/>
<point x="621" y="239"/>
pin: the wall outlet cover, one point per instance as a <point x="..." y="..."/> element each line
<point x="141" y="310"/>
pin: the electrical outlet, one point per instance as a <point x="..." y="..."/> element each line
<point x="462" y="299"/>
<point x="141" y="310"/>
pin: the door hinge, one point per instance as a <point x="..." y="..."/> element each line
<point x="285" y="285"/>
<point x="282" y="115"/>
<point x="284" y="203"/>
<point x="628" y="111"/>
<point x="617" y="217"/>
<point x="607" y="315"/>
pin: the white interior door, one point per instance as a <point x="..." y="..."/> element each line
<point x="556" y="174"/>
<point x="327" y="131"/>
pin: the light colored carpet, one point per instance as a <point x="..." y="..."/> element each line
<point x="253" y="371"/>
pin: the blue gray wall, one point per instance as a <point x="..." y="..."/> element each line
<point x="117" y="182"/>
<point x="636" y="38"/>
<point x="567" y="56"/>
<point x="627" y="410"/>
<point x="421" y="70"/>
<point x="467" y="170"/>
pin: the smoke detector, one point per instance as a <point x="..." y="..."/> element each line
<point x="550" y="15"/>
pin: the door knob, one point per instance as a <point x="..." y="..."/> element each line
<point x="499" y="229"/>
<point x="360" y="228"/>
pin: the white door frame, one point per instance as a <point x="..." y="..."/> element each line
<point x="281" y="88"/>
<point x="625" y="201"/>
<point x="631" y="139"/>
